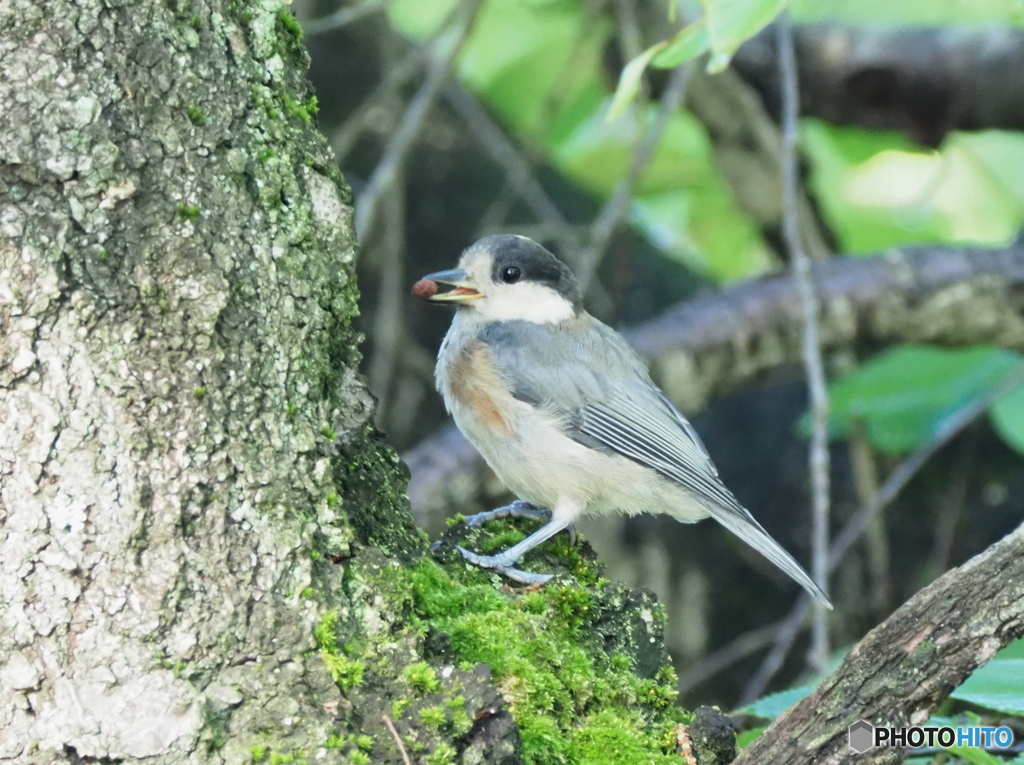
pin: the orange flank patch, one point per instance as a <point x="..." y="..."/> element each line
<point x="476" y="386"/>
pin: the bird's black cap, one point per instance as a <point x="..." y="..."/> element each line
<point x="536" y="264"/>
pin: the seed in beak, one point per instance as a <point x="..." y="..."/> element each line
<point x="424" y="289"/>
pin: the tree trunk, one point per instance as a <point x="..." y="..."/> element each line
<point x="206" y="550"/>
<point x="175" y="297"/>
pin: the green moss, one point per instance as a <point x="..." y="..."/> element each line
<point x="258" y="753"/>
<point x="200" y="391"/>
<point x="197" y="116"/>
<point x="291" y="24"/>
<point x="579" y="662"/>
<point x="443" y="754"/>
<point x="434" y="716"/>
<point x="422" y="677"/>
<point x="328" y="432"/>
<point x="188" y="212"/>
<point x="325" y="633"/>
<point x="357" y="757"/>
<point x="399" y="706"/>
<point x="347" y="673"/>
<point x="304" y="110"/>
<point x="372" y="479"/>
<point x="574" y="702"/>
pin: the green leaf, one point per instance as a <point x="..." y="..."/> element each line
<point x="629" y="81"/>
<point x="998" y="685"/>
<point x="688" y="43"/>
<point x="725" y="25"/>
<point x="974" y="755"/>
<point x="773" y="705"/>
<point x="878" y="190"/>
<point x="903" y="394"/>
<point x="1007" y="416"/>
<point x="733" y="22"/>
<point x="747" y="736"/>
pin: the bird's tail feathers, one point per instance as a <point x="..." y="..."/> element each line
<point x="742" y="524"/>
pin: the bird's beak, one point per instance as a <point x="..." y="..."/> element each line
<point x="463" y="291"/>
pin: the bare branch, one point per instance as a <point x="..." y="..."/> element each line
<point x="440" y="64"/>
<point x="397" y="738"/>
<point x="342" y="17"/>
<point x="924" y="82"/>
<point x="814" y="367"/>
<point x="396" y="76"/>
<point x="739" y="648"/>
<point x="517" y="167"/>
<point x="747" y="148"/>
<point x="618" y="203"/>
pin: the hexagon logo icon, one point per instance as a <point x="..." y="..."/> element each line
<point x="862" y="736"/>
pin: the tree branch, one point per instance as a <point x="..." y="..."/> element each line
<point x="715" y="343"/>
<point x="899" y="673"/>
<point x="922" y="81"/>
<point x="819" y="462"/>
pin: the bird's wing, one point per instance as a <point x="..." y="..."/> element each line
<point x="586" y="375"/>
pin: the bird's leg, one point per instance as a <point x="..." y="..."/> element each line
<point x="502" y="562"/>
<point x="518" y="509"/>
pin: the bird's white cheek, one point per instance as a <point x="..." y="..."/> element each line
<point x="525" y="302"/>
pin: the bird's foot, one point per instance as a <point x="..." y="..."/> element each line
<point x="518" y="509"/>
<point x="502" y="564"/>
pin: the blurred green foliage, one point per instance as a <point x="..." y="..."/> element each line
<point x="902" y="396"/>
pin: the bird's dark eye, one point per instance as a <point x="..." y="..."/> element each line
<point x="511" y="274"/>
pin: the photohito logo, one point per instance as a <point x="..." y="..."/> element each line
<point x="864" y="736"/>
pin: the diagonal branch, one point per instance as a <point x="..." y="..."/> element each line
<point x="900" y="672"/>
<point x="617" y="206"/>
<point x="440" y="64"/>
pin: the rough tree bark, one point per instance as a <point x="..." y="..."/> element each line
<point x="175" y="258"/>
<point x="206" y="553"/>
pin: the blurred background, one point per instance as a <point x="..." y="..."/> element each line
<point x="454" y="119"/>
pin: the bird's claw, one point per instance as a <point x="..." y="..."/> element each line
<point x="500" y="564"/>
<point x="517" y="509"/>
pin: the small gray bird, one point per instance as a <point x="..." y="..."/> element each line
<point x="564" y="411"/>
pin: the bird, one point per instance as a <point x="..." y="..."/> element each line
<point x="564" y="411"/>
